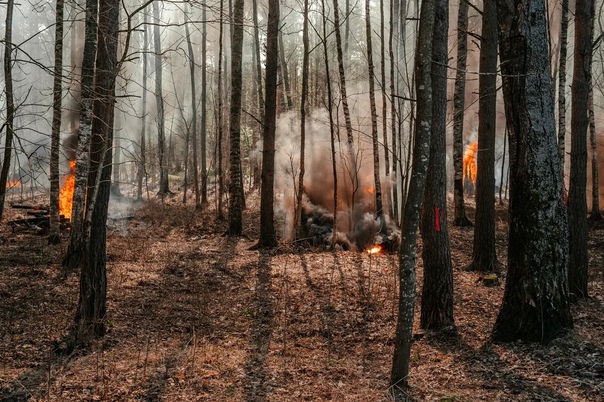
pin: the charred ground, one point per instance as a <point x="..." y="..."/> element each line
<point x="193" y="315"/>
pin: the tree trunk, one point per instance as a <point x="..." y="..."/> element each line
<point x="204" y="90"/>
<point x="383" y="86"/>
<point x="255" y="164"/>
<point x="352" y="166"/>
<point x="393" y="113"/>
<point x="235" y="190"/>
<point x="268" y="237"/>
<point x="143" y="153"/>
<point x="10" y="103"/>
<point x="577" y="202"/>
<point x="458" y="115"/>
<point x="285" y="73"/>
<point x="374" y="125"/>
<point x="411" y="214"/>
<point x="303" y="101"/>
<point x="93" y="276"/>
<point x="562" y="86"/>
<point x="535" y="303"/>
<point x="220" y="119"/>
<point x="595" y="187"/>
<point x="437" y="292"/>
<point x="73" y="257"/>
<point x="484" y="256"/>
<point x="115" y="170"/>
<point x="194" y="107"/>
<point x="164" y="187"/>
<point x="54" y="236"/>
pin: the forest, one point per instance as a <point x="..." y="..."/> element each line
<point x="285" y="200"/>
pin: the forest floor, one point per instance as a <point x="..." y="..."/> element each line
<point x="196" y="316"/>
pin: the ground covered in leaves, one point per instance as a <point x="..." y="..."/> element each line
<point x="196" y="316"/>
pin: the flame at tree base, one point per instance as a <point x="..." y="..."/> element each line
<point x="66" y="193"/>
<point x="374" y="250"/>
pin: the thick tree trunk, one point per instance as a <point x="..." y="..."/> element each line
<point x="484" y="256"/>
<point x="535" y="304"/>
<point x="437" y="291"/>
<point x="93" y="276"/>
<point x="577" y="202"/>
<point x="268" y="237"/>
<point x="235" y="190"/>
<point x="458" y="115"/>
<point x="411" y="214"/>
<point x="10" y="103"/>
<point x="73" y="257"/>
<point x="374" y="124"/>
<point x="54" y="236"/>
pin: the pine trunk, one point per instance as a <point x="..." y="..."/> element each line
<point x="535" y="304"/>
<point x="562" y="86"/>
<point x="437" y="292"/>
<point x="595" y="187"/>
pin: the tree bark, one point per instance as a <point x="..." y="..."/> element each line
<point x="484" y="255"/>
<point x="374" y="125"/>
<point x="10" y="103"/>
<point x="143" y="153"/>
<point x="285" y="73"/>
<point x="54" y="236"/>
<point x="437" y="291"/>
<point x="595" y="186"/>
<point x="235" y="190"/>
<point x="577" y="202"/>
<point x="220" y="118"/>
<point x="458" y="115"/>
<point x="194" y="107"/>
<point x="535" y="303"/>
<point x="411" y="214"/>
<point x="562" y="86"/>
<point x="268" y="238"/>
<point x="164" y="187"/>
<point x="204" y="89"/>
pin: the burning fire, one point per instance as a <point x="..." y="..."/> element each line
<point x="66" y="194"/>
<point x="469" y="162"/>
<point x="374" y="249"/>
<point x="13" y="183"/>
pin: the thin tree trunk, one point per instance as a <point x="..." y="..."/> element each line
<point x="392" y="48"/>
<point x="577" y="203"/>
<point x="55" y="142"/>
<point x="10" y="103"/>
<point x="194" y="106"/>
<point x="117" y="161"/>
<point x="411" y="215"/>
<point x="505" y="140"/>
<point x="204" y="125"/>
<point x="303" y="101"/>
<point x="268" y="236"/>
<point x="458" y="115"/>
<point x="164" y="187"/>
<point x="595" y="188"/>
<point x="374" y="124"/>
<point x="384" y="100"/>
<point x="484" y="255"/>
<point x="562" y="86"/>
<point x="220" y="128"/>
<point x="285" y="73"/>
<point x="256" y="165"/>
<point x="143" y="153"/>
<point x="235" y="182"/>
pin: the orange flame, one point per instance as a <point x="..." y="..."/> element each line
<point x="469" y="162"/>
<point x="66" y="194"/>
<point x="13" y="183"/>
<point x="374" y="249"/>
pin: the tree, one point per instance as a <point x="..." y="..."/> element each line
<point x="458" y="115"/>
<point x="268" y="237"/>
<point x="204" y="91"/>
<point x="193" y="129"/>
<point x="10" y="102"/>
<point x="595" y="192"/>
<point x="54" y="236"/>
<point x="91" y="308"/>
<point x="143" y="153"/>
<point x="220" y="116"/>
<point x="577" y="203"/>
<point x="484" y="256"/>
<point x="411" y="213"/>
<point x="164" y="187"/>
<point x="562" y="86"/>
<point x="535" y="303"/>
<point x="437" y="291"/>
<point x="235" y="190"/>
<point x="73" y="256"/>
